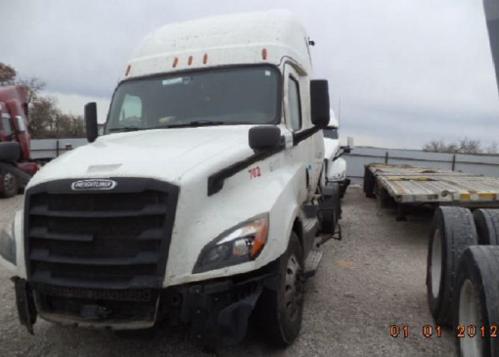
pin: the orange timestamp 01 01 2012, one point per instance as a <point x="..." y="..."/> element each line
<point x="430" y="331"/>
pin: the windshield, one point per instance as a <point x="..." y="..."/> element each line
<point x="331" y="133"/>
<point x="247" y="95"/>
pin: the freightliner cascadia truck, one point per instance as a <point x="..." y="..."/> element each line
<point x="203" y="202"/>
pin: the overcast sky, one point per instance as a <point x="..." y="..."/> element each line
<point x="407" y="71"/>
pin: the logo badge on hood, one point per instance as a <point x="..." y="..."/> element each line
<point x="94" y="184"/>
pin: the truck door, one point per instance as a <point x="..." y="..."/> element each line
<point x="309" y="152"/>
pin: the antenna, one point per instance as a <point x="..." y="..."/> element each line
<point x="339" y="111"/>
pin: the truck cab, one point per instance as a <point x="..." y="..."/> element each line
<point x="201" y="203"/>
<point x="14" y="129"/>
<point x="335" y="165"/>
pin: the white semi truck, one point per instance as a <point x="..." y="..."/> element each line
<point x="335" y="165"/>
<point x="202" y="202"/>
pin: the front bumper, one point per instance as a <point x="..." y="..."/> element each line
<point x="217" y="311"/>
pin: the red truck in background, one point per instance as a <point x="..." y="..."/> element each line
<point x="16" y="167"/>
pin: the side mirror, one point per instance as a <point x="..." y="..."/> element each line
<point x="91" y="121"/>
<point x="319" y="102"/>
<point x="262" y="138"/>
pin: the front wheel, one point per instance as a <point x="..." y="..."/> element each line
<point x="282" y="308"/>
<point x="9" y="184"/>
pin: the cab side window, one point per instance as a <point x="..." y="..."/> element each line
<point x="294" y="104"/>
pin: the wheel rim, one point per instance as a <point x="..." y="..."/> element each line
<point x="293" y="288"/>
<point x="9" y="182"/>
<point x="436" y="263"/>
<point x="470" y="315"/>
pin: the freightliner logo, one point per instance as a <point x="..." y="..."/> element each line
<point x="93" y="184"/>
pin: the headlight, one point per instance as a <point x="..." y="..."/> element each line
<point x="238" y="245"/>
<point x="8" y="244"/>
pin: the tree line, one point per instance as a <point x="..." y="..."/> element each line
<point x="461" y="146"/>
<point x="46" y="120"/>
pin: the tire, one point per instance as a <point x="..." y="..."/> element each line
<point x="369" y="183"/>
<point x="476" y="307"/>
<point x="9" y="185"/>
<point x="453" y="230"/>
<point x="281" y="309"/>
<point x="487" y="226"/>
<point x="10" y="152"/>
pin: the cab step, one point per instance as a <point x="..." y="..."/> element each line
<point x="312" y="262"/>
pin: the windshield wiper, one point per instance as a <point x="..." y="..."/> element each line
<point x="191" y="124"/>
<point x="124" y="128"/>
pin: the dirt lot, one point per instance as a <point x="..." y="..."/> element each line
<point x="372" y="279"/>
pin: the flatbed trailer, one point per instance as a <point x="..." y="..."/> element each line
<point x="405" y="185"/>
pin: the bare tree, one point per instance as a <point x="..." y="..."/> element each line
<point x="462" y="146"/>
<point x="45" y="119"/>
<point x="7" y="74"/>
<point x="469" y="146"/>
<point x="33" y="85"/>
<point x="492" y="148"/>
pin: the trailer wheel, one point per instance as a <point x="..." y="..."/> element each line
<point x="369" y="183"/>
<point x="453" y="230"/>
<point x="477" y="310"/>
<point x="487" y="226"/>
<point x="281" y="309"/>
<point x="10" y="186"/>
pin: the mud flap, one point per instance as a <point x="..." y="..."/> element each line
<point x="25" y="303"/>
<point x="329" y="208"/>
<point x="216" y="320"/>
<point x="233" y="320"/>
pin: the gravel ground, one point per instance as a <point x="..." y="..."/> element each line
<point x="372" y="279"/>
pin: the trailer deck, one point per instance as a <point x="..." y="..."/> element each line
<point x="407" y="184"/>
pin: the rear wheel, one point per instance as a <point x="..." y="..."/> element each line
<point x="477" y="310"/>
<point x="282" y="308"/>
<point x="453" y="230"/>
<point x="487" y="226"/>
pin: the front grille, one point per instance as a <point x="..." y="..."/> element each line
<point x="116" y="239"/>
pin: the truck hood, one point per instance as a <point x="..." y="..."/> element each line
<point x="163" y="154"/>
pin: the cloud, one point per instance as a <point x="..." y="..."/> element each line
<point x="406" y="71"/>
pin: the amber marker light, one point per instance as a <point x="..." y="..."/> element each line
<point x="264" y="54"/>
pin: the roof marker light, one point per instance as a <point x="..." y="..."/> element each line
<point x="264" y="54"/>
<point x="128" y="68"/>
<point x="189" y="61"/>
<point x="175" y="62"/>
<point x="205" y="58"/>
